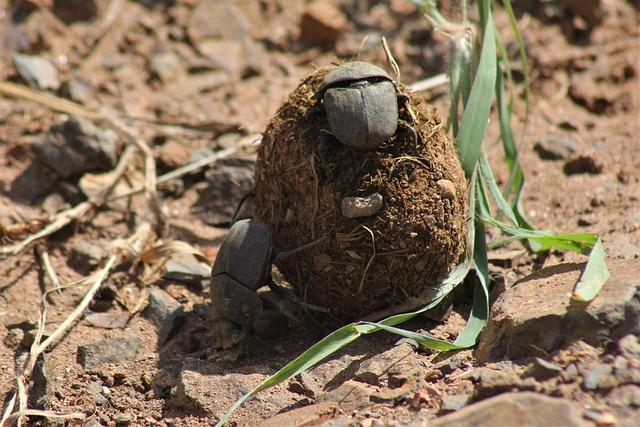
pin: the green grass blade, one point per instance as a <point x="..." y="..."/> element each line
<point x="487" y="177"/>
<point x="476" y="112"/>
<point x="593" y="277"/>
<point x="422" y="339"/>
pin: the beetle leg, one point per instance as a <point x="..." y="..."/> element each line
<point x="407" y="128"/>
<point x="403" y="100"/>
<point x="244" y="199"/>
<point x="315" y="110"/>
<point x="286" y="294"/>
<point x="283" y="254"/>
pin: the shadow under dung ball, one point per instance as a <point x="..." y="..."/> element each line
<point x="411" y="187"/>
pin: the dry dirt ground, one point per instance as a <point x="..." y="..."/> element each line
<point x="203" y="75"/>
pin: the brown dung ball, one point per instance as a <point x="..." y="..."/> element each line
<point x="368" y="263"/>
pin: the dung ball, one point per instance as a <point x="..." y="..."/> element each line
<point x="392" y="219"/>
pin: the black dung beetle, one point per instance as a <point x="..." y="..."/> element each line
<point x="242" y="266"/>
<point x="361" y="103"/>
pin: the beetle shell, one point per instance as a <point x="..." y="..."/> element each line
<point x="245" y="254"/>
<point x="233" y="301"/>
<point x="363" y="114"/>
<point x="351" y="72"/>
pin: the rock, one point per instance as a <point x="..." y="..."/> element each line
<point x="165" y="65"/>
<point x="358" y="207"/>
<point x="583" y="164"/>
<point x="556" y="147"/>
<point x="54" y="203"/>
<point x="490" y="382"/>
<point x="624" y="396"/>
<point x="166" y="313"/>
<point x="206" y="390"/>
<point x="451" y="403"/>
<point x="314" y="381"/>
<point x="322" y="23"/>
<point x="38" y="73"/>
<point x="70" y="11"/>
<point x="228" y="185"/>
<point x="172" y="154"/>
<point x="115" y="350"/>
<point x="187" y="269"/>
<point x="542" y="370"/>
<point x="302" y="416"/>
<point x="123" y="419"/>
<point x="525" y="318"/>
<point x="86" y="255"/>
<point x="350" y="396"/>
<point x="79" y="90"/>
<point x="447" y="189"/>
<point x="514" y="409"/>
<point x="393" y="368"/>
<point x="599" y="377"/>
<point x="629" y="346"/>
<point x="107" y="320"/>
<point x="42" y="385"/>
<point x="14" y="338"/>
<point x="76" y="146"/>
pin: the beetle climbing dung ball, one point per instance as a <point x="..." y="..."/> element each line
<point x="361" y="104"/>
<point x="306" y="168"/>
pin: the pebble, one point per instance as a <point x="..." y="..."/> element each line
<point x="451" y="403"/>
<point x="187" y="269"/>
<point x="166" y="313"/>
<point x="86" y="255"/>
<point x="76" y="146"/>
<point x="165" y="65"/>
<point x="37" y="72"/>
<point x="79" y="90"/>
<point x="357" y="207"/>
<point x="322" y="23"/>
<point x="542" y="370"/>
<point x="583" y="164"/>
<point x="447" y="189"/>
<point x="115" y="350"/>
<point x="227" y="185"/>
<point x="556" y="147"/>
<point x="599" y="377"/>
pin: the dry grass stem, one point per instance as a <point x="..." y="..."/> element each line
<point x="43" y="254"/>
<point x="430" y="83"/>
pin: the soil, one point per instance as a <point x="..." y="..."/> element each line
<point x="163" y="63"/>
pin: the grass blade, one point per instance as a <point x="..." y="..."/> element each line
<point x="476" y="112"/>
<point x="487" y="177"/>
<point x="422" y="339"/>
<point x="593" y="277"/>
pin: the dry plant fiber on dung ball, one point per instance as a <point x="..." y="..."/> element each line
<point x="368" y="263"/>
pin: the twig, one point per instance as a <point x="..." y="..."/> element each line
<point x="373" y="256"/>
<point x="390" y="59"/>
<point x="48" y="268"/>
<point x="107" y="21"/>
<point x="430" y="83"/>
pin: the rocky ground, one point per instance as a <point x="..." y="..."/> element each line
<point x="194" y="77"/>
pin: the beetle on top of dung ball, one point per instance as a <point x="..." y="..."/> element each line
<point x="361" y="104"/>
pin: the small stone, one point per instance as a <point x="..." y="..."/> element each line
<point x="556" y="147"/>
<point x="85" y="255"/>
<point x="187" y="269"/>
<point x="358" y="207"/>
<point x="70" y="11"/>
<point x="490" y="382"/>
<point x="228" y="186"/>
<point x="123" y="419"/>
<point x="322" y="23"/>
<point x="14" y="338"/>
<point x="304" y="415"/>
<point x="583" y="164"/>
<point x="523" y="318"/>
<point x="76" y="146"/>
<point x="542" y="370"/>
<point x="514" y="409"/>
<point x="599" y="377"/>
<point x="394" y="367"/>
<point x="116" y="350"/>
<point x="451" y="403"/>
<point x="38" y="73"/>
<point x="54" y="203"/>
<point x="592" y="11"/>
<point x="165" y="65"/>
<point x="624" y="396"/>
<point x="447" y="189"/>
<point x="350" y="396"/>
<point x="172" y="154"/>
<point x="629" y="346"/>
<point x="79" y="90"/>
<point x="166" y="313"/>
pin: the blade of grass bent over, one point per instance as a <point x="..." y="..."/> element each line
<point x="593" y="277"/>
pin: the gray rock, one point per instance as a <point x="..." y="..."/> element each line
<point x="123" y="419"/>
<point x="556" y="147"/>
<point x="86" y="255"/>
<point x="524" y="318"/>
<point x="394" y="367"/>
<point x="39" y="73"/>
<point x="79" y="89"/>
<point x="165" y="65"/>
<point x="542" y="370"/>
<point x="76" y="146"/>
<point x="166" y="313"/>
<point x="629" y="346"/>
<point x="451" y="403"/>
<point x="116" y="350"/>
<point x="187" y="269"/>
<point x="599" y="377"/>
<point x="624" y="396"/>
<point x="325" y="375"/>
<point x="490" y="382"/>
<point x="350" y="396"/>
<point x="357" y="207"/>
<point x="514" y="409"/>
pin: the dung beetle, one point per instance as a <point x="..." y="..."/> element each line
<point x="361" y="103"/>
<point x="242" y="266"/>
